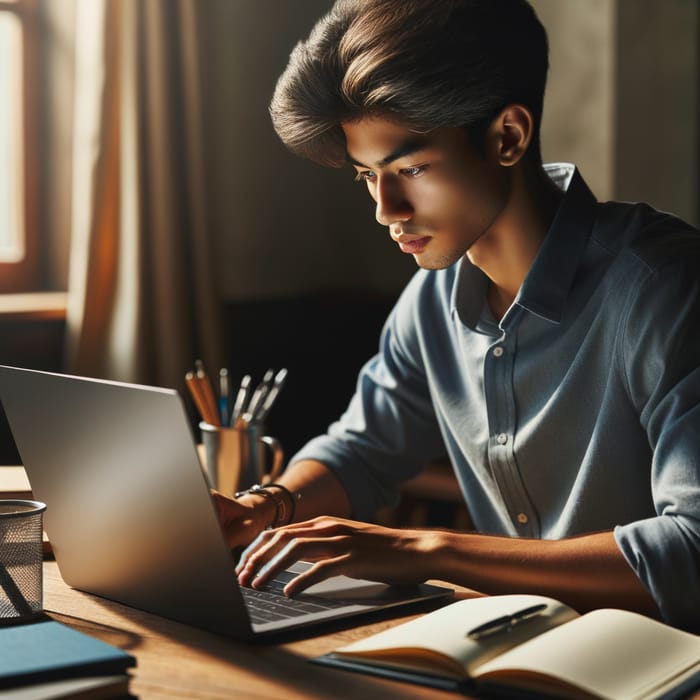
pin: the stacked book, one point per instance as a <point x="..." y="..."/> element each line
<point x="46" y="659"/>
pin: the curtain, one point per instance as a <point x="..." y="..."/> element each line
<point x="141" y="301"/>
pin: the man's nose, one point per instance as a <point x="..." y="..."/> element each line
<point x="392" y="203"/>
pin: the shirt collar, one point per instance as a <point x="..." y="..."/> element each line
<point x="546" y="287"/>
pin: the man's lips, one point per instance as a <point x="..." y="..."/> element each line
<point x="412" y="244"/>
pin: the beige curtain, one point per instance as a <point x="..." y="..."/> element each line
<point x="141" y="303"/>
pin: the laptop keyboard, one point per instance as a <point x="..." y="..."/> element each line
<point x="272" y="605"/>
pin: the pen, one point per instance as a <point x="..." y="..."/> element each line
<point x="241" y="398"/>
<point x="280" y="378"/>
<point x="258" y="395"/>
<point x="224" y="395"/>
<point x="507" y="622"/>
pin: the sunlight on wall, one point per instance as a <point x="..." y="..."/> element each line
<point x="578" y="121"/>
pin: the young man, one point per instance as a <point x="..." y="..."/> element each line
<point x="549" y="344"/>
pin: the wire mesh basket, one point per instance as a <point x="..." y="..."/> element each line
<point x="21" y="554"/>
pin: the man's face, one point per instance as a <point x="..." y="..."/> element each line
<point x="434" y="191"/>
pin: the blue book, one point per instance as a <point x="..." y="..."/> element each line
<point x="47" y="650"/>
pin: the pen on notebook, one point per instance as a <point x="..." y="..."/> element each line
<point x="224" y="395"/>
<point x="269" y="400"/>
<point x="506" y="623"/>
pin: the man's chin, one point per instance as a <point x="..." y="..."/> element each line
<point x="426" y="262"/>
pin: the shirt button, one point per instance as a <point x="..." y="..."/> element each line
<point x="497" y="351"/>
<point x="522" y="518"/>
<point x="501" y="438"/>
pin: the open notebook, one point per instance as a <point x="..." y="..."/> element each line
<point x="129" y="513"/>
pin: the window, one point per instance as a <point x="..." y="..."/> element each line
<point x="19" y="255"/>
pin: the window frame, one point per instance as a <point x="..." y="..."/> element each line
<point x="25" y="275"/>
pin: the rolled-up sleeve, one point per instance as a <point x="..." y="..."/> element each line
<point x="661" y="358"/>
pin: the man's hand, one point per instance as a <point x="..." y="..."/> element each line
<point x="336" y="546"/>
<point x="242" y="519"/>
<point x="316" y="490"/>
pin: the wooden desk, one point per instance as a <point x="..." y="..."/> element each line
<point x="178" y="661"/>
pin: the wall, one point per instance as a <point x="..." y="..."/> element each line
<point x="623" y="100"/>
<point x="578" y="120"/>
<point x="657" y="120"/>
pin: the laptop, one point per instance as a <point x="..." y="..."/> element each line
<point x="130" y="517"/>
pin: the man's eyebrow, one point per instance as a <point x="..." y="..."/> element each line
<point x="405" y="149"/>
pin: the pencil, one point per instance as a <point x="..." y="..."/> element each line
<point x="194" y="384"/>
<point x="207" y="392"/>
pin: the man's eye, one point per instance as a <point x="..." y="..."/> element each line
<point x="365" y="176"/>
<point x="415" y="171"/>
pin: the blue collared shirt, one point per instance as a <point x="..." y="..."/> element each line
<point x="578" y="411"/>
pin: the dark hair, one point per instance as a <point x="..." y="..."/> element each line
<point x="425" y="63"/>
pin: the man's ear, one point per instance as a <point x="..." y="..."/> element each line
<point x="511" y="133"/>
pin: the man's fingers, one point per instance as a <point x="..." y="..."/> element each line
<point x="245" y="555"/>
<point x="259" y="552"/>
<point x="265" y="573"/>
<point x="318" y="572"/>
<point x="269" y="542"/>
<point x="264" y="565"/>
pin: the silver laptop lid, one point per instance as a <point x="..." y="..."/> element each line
<point x="129" y="516"/>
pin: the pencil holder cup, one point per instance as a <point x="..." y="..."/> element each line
<point x="21" y="554"/>
<point x="237" y="458"/>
